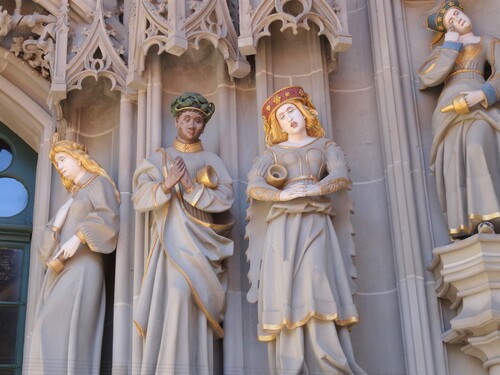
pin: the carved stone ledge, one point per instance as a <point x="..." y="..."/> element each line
<point x="467" y="274"/>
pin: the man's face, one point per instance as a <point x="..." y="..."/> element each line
<point x="455" y="19"/>
<point x="190" y="126"/>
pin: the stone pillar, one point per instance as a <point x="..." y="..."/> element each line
<point x="405" y="188"/>
<point x="122" y="326"/>
<point x="139" y="252"/>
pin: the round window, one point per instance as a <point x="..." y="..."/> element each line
<point x="13" y="197"/>
<point x="5" y="155"/>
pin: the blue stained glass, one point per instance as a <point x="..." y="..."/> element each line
<point x="13" y="197"/>
<point x="5" y="155"/>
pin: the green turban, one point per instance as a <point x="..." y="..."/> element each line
<point x="194" y="102"/>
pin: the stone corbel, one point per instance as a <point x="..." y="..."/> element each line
<point x="467" y="274"/>
<point x="175" y="25"/>
<point x="331" y="20"/>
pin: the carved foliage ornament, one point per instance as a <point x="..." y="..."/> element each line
<point x="31" y="37"/>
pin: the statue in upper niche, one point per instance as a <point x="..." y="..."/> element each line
<point x="69" y="318"/>
<point x="465" y="154"/>
<point x="36" y="22"/>
<point x="300" y="267"/>
<point x="187" y="192"/>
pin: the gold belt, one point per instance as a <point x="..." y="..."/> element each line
<point x="312" y="178"/>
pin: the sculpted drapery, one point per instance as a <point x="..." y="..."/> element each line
<point x="300" y="276"/>
<point x="69" y="318"/>
<point x="465" y="154"/>
<point x="182" y="298"/>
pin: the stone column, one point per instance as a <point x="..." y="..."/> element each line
<point x="155" y="92"/>
<point x="405" y="188"/>
<point x="139" y="252"/>
<point x="122" y="319"/>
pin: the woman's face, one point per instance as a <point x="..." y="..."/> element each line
<point x="291" y="119"/>
<point x="69" y="167"/>
<point x="456" y="20"/>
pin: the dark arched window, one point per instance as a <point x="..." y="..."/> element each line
<point x="17" y="182"/>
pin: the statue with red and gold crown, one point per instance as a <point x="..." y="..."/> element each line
<point x="300" y="266"/>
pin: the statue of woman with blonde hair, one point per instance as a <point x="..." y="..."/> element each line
<point x="69" y="318"/>
<point x="300" y="268"/>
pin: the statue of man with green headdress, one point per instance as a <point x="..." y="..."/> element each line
<point x="465" y="153"/>
<point x="187" y="192"/>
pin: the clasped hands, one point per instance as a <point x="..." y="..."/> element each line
<point x="298" y="191"/>
<point x="178" y="173"/>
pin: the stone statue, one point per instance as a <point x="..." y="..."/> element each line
<point x="69" y="317"/>
<point x="466" y="122"/>
<point x="300" y="275"/>
<point x="187" y="191"/>
<point x="36" y="22"/>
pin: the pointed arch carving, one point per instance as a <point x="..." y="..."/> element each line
<point x="97" y="57"/>
<point x="329" y="16"/>
<point x="168" y="25"/>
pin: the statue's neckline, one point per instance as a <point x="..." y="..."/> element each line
<point x="187" y="147"/>
<point x="85" y="181"/>
<point x="298" y="146"/>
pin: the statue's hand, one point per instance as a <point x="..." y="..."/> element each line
<point x="473" y="97"/>
<point x="187" y="181"/>
<point x="175" y="173"/>
<point x="313" y="190"/>
<point x="451" y="35"/>
<point x="295" y="191"/>
<point x="68" y="249"/>
<point x="62" y="213"/>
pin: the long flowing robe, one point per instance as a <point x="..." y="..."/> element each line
<point x="304" y="294"/>
<point x="69" y="318"/>
<point x="465" y="149"/>
<point x="182" y="297"/>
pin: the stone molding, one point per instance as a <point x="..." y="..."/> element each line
<point x="168" y="25"/>
<point x="255" y="20"/>
<point x="95" y="57"/>
<point x="467" y="274"/>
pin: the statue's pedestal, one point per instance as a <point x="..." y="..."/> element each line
<point x="467" y="273"/>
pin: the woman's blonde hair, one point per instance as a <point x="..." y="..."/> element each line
<point x="274" y="133"/>
<point x="80" y="153"/>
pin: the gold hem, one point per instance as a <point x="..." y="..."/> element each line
<point x="215" y="326"/>
<point x="139" y="329"/>
<point x="215" y="227"/>
<point x="312" y="315"/>
<point x="467" y="229"/>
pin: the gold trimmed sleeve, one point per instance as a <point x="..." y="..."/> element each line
<point x="337" y="184"/>
<point x="437" y="67"/>
<point x="194" y="194"/>
<point x="81" y="237"/>
<point x="264" y="194"/>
